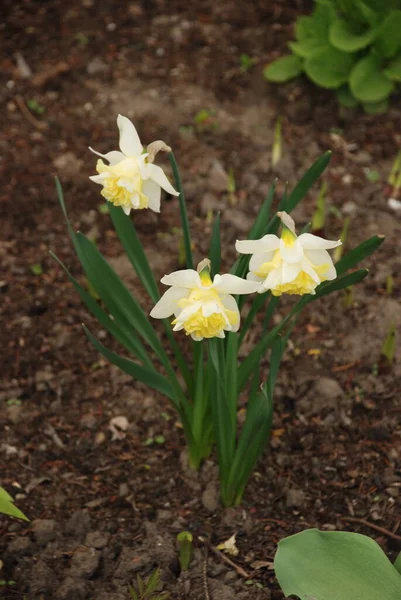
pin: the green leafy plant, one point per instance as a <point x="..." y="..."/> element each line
<point x="147" y="589"/>
<point x="7" y="506"/>
<point x="328" y="565"/>
<point x="352" y="46"/>
<point x="204" y="381"/>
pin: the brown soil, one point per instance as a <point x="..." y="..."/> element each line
<point x="106" y="510"/>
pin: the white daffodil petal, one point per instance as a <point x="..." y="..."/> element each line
<point x="265" y="244"/>
<point x="187" y="278"/>
<point x="257" y="260"/>
<point x="130" y="144"/>
<point x="289" y="272"/>
<point x="309" y="241"/>
<point x="167" y="304"/>
<point x="112" y="157"/>
<point x="127" y="209"/>
<point x="309" y="270"/>
<point x="152" y="191"/>
<point x="188" y="311"/>
<point x="318" y="258"/>
<point x="210" y="308"/>
<point x="271" y="282"/>
<point x="230" y="304"/>
<point x="158" y="175"/>
<point x="231" y="284"/>
<point x="291" y="253"/>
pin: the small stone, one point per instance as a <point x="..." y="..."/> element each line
<point x="123" y="490"/>
<point x="20" y="546"/>
<point x="210" y="497"/>
<point x="72" y="589"/>
<point x="45" y="531"/>
<point x="96" y="66"/>
<point x="42" y="580"/>
<point x="129" y="563"/>
<point x="68" y="164"/>
<point x="218" y="177"/>
<point x="97" y="539"/>
<point x="294" y="498"/>
<point x="78" y="524"/>
<point x="84" y="563"/>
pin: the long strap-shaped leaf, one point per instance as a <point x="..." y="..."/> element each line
<point x="129" y="238"/>
<point x="183" y="211"/>
<point x="150" y="377"/>
<point x="215" y="246"/>
<point x="125" y="336"/>
<point x="115" y="294"/>
<point x="356" y="255"/>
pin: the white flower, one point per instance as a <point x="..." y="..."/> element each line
<point x="130" y="180"/>
<point x="290" y="264"/>
<point x="202" y="307"/>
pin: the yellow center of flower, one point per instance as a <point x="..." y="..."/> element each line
<point x="123" y="183"/>
<point x="197" y="324"/>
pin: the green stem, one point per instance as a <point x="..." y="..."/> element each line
<point x="183" y="211"/>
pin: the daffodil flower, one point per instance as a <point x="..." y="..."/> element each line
<point x="202" y="307"/>
<point x="290" y="264"/>
<point x="131" y="180"/>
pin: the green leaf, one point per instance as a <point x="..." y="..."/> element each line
<point x="388" y="41"/>
<point x="116" y="296"/>
<point x="283" y="69"/>
<point x="129" y="238"/>
<point x="252" y="441"/>
<point x="215" y="246"/>
<point x="149" y="377"/>
<point x="335" y="565"/>
<point x="376" y="108"/>
<point x="330" y="68"/>
<point x="328" y="287"/>
<point x="367" y="82"/>
<point x="345" y="97"/>
<point x="397" y="563"/>
<point x="393" y="70"/>
<point x="304" y="185"/>
<point x="308" y="47"/>
<point x="356" y="255"/>
<point x="347" y="38"/>
<point x="183" y="212"/>
<point x="125" y="336"/>
<point x="7" y="506"/>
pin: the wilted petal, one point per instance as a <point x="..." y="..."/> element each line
<point x="167" y="304"/>
<point x="312" y="242"/>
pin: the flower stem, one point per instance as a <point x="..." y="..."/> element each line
<point x="184" y="214"/>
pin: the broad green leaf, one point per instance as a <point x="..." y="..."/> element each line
<point x="215" y="246"/>
<point x="345" y="97"/>
<point x="397" y="563"/>
<point x="330" y="68"/>
<point x="315" y="26"/>
<point x="308" y="47"/>
<point x="367" y="82"/>
<point x="283" y="69"/>
<point x="148" y="376"/>
<point x="393" y="70"/>
<point x="335" y="565"/>
<point x="7" y="506"/>
<point x="388" y="41"/>
<point x="356" y="255"/>
<point x="376" y="108"/>
<point x="347" y="38"/>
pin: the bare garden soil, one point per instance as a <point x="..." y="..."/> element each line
<point x="103" y="510"/>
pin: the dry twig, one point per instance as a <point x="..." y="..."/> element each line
<point x="382" y="530"/>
